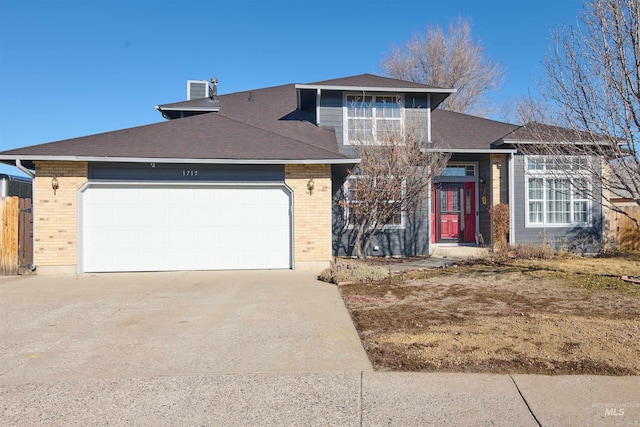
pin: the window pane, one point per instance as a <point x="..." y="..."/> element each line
<point x="581" y="188"/>
<point x="352" y="215"/>
<point x="580" y="213"/>
<point x="444" y="205"/>
<point x="454" y="171"/>
<point x="535" y="188"/>
<point x="455" y="200"/>
<point x="535" y="164"/>
<point x="352" y="184"/>
<point x="358" y="106"/>
<point x="535" y="212"/>
<point x="388" y="130"/>
<point x="360" y="130"/>
<point x="558" y="204"/>
<point x="397" y="219"/>
<point x="387" y="107"/>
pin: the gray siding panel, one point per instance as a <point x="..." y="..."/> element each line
<point x="410" y="240"/>
<point x="331" y="114"/>
<point x="185" y="172"/>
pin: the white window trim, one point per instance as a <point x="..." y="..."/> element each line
<point x="345" y="113"/>
<point x="545" y="174"/>
<point x="349" y="226"/>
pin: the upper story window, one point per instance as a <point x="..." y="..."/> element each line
<point x="557" y="192"/>
<point x="373" y="118"/>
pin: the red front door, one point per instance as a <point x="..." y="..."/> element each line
<point x="454" y="217"/>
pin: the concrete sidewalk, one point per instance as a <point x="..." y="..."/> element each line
<point x="443" y="256"/>
<point x="340" y="399"/>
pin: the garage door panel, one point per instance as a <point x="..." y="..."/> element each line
<point x="174" y="228"/>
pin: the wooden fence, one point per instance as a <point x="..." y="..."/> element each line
<point x="624" y="230"/>
<point x="16" y="241"/>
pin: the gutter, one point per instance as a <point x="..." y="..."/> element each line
<point x="471" y="150"/>
<point x="179" y="160"/>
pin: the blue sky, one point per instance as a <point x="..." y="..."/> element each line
<point x="72" y="68"/>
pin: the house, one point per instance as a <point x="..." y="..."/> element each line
<point x="253" y="180"/>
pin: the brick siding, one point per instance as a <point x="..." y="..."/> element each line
<point x="499" y="190"/>
<point x="55" y="216"/>
<point x="312" y="212"/>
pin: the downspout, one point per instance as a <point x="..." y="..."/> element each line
<point x="512" y="226"/>
<point x="33" y="198"/>
<point x="429" y="228"/>
<point x="25" y="170"/>
<point x="318" y="98"/>
<point x="603" y="214"/>
<point x="429" y="117"/>
<point x="429" y="201"/>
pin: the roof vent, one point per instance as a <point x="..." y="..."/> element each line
<point x="198" y="89"/>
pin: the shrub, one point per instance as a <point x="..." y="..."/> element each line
<point x="529" y="251"/>
<point x="353" y="273"/>
<point x="500" y="215"/>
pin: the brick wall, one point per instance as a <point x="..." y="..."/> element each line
<point x="499" y="190"/>
<point x="55" y="216"/>
<point x="312" y="213"/>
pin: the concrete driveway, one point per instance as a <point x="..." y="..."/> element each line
<point x="104" y="326"/>
<point x="244" y="348"/>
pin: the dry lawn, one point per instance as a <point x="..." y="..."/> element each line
<point x="561" y="316"/>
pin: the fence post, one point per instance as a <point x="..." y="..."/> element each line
<point x="9" y="249"/>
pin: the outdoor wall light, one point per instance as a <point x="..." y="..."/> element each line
<point x="54" y="184"/>
<point x="310" y="186"/>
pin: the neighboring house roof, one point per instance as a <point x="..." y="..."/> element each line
<point x="462" y="131"/>
<point x="623" y="181"/>
<point x="252" y="127"/>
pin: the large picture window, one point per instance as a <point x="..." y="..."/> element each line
<point x="373" y="118"/>
<point x="353" y="201"/>
<point x="554" y="196"/>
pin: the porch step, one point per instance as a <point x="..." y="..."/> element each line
<point x="459" y="252"/>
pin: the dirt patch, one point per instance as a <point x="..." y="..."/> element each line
<point x="545" y="317"/>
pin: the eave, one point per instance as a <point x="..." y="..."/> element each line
<point x="29" y="159"/>
<point x="376" y="89"/>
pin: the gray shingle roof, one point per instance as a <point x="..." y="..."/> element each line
<point x="463" y="131"/>
<point x="540" y="132"/>
<point x="371" y="80"/>
<point x="256" y="125"/>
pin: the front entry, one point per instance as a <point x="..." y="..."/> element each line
<point x="454" y="213"/>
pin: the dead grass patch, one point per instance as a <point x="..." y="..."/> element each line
<point x="558" y="316"/>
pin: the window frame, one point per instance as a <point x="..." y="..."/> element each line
<point x="346" y="213"/>
<point x="376" y="120"/>
<point x="545" y="170"/>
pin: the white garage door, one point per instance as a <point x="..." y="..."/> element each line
<point x="161" y="228"/>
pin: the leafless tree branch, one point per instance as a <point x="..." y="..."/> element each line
<point x="448" y="60"/>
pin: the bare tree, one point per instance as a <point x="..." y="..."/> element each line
<point x="527" y="108"/>
<point x="593" y="83"/>
<point x="453" y="60"/>
<point x="395" y="173"/>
